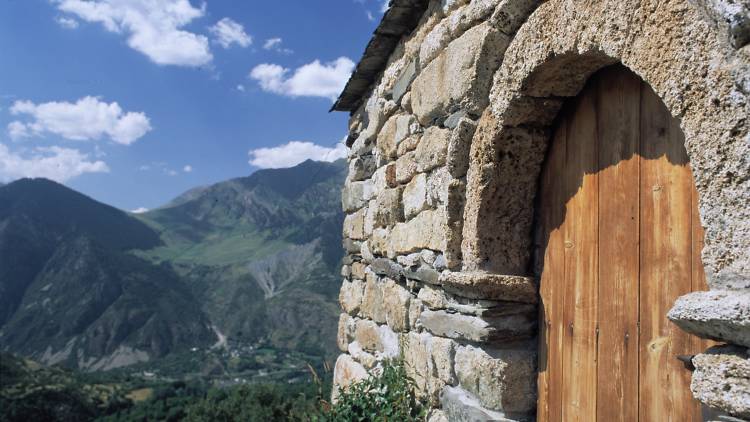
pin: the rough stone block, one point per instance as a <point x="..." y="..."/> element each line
<point x="480" y="285"/>
<point x="346" y="329"/>
<point x="361" y="167"/>
<point x="510" y="327"/>
<point x="415" y="197"/>
<point x="460" y="76"/>
<point x="721" y="380"/>
<point x="368" y="360"/>
<point x="434" y="43"/>
<point x="354" y="225"/>
<point x="408" y="144"/>
<point x="425" y="231"/>
<point x="501" y="379"/>
<point x="404" y="82"/>
<point x="432" y="149"/>
<point x="358" y="270"/>
<point x="350" y="296"/>
<point x="459" y="405"/>
<point x="367" y="335"/>
<point x="459" y="146"/>
<point x="372" y="300"/>
<point x="346" y="372"/>
<point x="717" y="314"/>
<point x="386" y="267"/>
<point x="423" y="273"/>
<point x="405" y="167"/>
<point x="396" y="305"/>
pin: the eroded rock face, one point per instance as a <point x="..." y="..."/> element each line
<point x="719" y="315"/>
<point x="722" y="379"/>
<point x="346" y="372"/>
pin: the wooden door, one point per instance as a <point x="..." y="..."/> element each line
<point x="619" y="240"/>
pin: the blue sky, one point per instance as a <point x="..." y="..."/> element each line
<point x="135" y="101"/>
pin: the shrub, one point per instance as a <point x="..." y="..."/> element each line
<point x="387" y="396"/>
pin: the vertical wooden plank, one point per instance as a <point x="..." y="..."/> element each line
<point x="680" y="266"/>
<point x="581" y="265"/>
<point x="665" y="259"/>
<point x="552" y="287"/>
<point x="618" y="132"/>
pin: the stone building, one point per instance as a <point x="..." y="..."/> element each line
<point x="548" y="204"/>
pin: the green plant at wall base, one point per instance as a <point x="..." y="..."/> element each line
<point x="388" y="396"/>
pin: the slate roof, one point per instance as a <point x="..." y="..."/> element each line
<point x="401" y="18"/>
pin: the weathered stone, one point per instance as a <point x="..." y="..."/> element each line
<point x="459" y="146"/>
<point x="722" y="380"/>
<point x="423" y="273"/>
<point x="406" y="99"/>
<point x="716" y="314"/>
<point x="488" y="329"/>
<point x="425" y="231"/>
<point x="440" y="263"/>
<point x="415" y="197"/>
<point x="434" y="43"/>
<point x="346" y="372"/>
<point x="439" y="183"/>
<point x="396" y="305"/>
<point x="350" y="296"/>
<point x="432" y="149"/>
<point x="460" y="76"/>
<point x="386" y="267"/>
<point x="361" y="167"/>
<point x="501" y="379"/>
<point x="735" y="15"/>
<point x="368" y="336"/>
<point x="351" y="246"/>
<point x="387" y="141"/>
<point x="417" y="362"/>
<point x="378" y="243"/>
<point x="460" y="406"/>
<point x="386" y="209"/>
<point x="481" y="285"/>
<point x="346" y="329"/>
<point x="410" y="260"/>
<point x="433" y="297"/>
<point x="356" y="194"/>
<point x="354" y="225"/>
<point x="442" y="351"/>
<point x="365" y="252"/>
<point x="346" y="271"/>
<point x="405" y="167"/>
<point x="415" y="310"/>
<point x="372" y="300"/>
<point x="408" y="144"/>
<point x="404" y="82"/>
<point x="437" y="415"/>
<point x="358" y="270"/>
<point x="509" y="15"/>
<point x="368" y="360"/>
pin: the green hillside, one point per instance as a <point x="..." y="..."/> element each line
<point x="235" y="278"/>
<point x="72" y="293"/>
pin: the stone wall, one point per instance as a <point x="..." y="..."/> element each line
<point x="446" y="151"/>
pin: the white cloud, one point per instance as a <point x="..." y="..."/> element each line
<point x="67" y="23"/>
<point x="227" y="32"/>
<point x="293" y="153"/>
<point x="274" y="44"/>
<point x="384" y="5"/>
<point x="87" y="119"/>
<point x="153" y="27"/>
<point x="310" y="80"/>
<point x="370" y="17"/>
<point x="241" y="88"/>
<point x="139" y="210"/>
<point x="171" y="172"/>
<point x="59" y="164"/>
<point x="188" y="168"/>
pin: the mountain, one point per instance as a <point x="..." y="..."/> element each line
<point x="262" y="254"/>
<point x="239" y="274"/>
<point x="72" y="293"/>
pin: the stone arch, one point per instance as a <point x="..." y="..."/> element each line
<point x="680" y="53"/>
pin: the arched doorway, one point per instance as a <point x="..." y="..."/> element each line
<point x="620" y="240"/>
